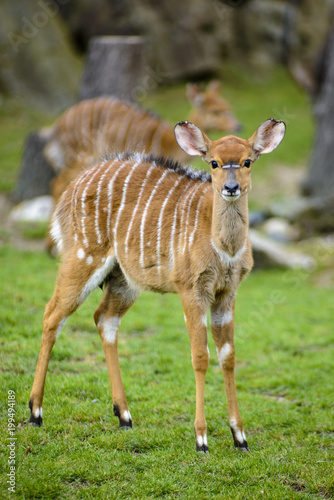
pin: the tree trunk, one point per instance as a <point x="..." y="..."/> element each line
<point x="114" y="67"/>
<point x="36" y="173"/>
<point x="320" y="178"/>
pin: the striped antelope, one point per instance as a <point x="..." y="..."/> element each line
<point x="135" y="222"/>
<point x="89" y="129"/>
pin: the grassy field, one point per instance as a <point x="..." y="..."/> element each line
<point x="284" y="344"/>
<point x="284" y="350"/>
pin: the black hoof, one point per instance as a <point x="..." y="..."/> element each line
<point x="124" y="424"/>
<point x="203" y="448"/>
<point x="242" y="446"/>
<point x="36" y="421"/>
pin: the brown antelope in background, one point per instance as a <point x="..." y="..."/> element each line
<point x="136" y="222"/>
<point x="210" y="111"/>
<point x="89" y="129"/>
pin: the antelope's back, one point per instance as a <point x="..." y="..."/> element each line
<point x="94" y="127"/>
<point x="140" y="209"/>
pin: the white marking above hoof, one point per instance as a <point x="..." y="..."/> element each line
<point x="239" y="435"/>
<point x="38" y="413"/>
<point x="126" y="416"/>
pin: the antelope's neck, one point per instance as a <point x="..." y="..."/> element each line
<point x="229" y="224"/>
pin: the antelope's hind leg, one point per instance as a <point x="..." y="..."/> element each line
<point x="67" y="297"/>
<point x="117" y="299"/>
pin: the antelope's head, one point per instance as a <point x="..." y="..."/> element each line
<point x="210" y="111"/>
<point x="230" y="157"/>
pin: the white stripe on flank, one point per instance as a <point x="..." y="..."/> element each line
<point x="226" y="258"/>
<point x="188" y="215"/>
<point x="97" y="201"/>
<point x="120" y="209"/>
<point x="110" y="189"/>
<point x="172" y="235"/>
<point x="191" y="237"/>
<point x="74" y="201"/>
<point x="183" y="214"/>
<point x="83" y="199"/>
<point x="170" y="192"/>
<point x="142" y="225"/>
<point x="136" y="207"/>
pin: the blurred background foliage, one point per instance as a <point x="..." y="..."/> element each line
<point x="257" y="48"/>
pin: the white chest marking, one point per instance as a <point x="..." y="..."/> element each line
<point x="226" y="258"/>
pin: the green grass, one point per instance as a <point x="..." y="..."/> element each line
<point x="284" y="345"/>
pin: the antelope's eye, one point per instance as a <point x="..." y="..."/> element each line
<point x="214" y="164"/>
<point x="247" y="163"/>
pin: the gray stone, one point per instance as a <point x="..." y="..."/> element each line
<point x="36" y="210"/>
<point x="270" y="253"/>
<point x="280" y="229"/>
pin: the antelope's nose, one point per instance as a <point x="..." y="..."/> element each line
<point x="231" y="188"/>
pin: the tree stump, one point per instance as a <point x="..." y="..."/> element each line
<point x="114" y="67"/>
<point x="320" y="179"/>
<point x="36" y="173"/>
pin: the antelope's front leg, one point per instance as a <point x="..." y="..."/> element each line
<point x="195" y="317"/>
<point x="222" y="326"/>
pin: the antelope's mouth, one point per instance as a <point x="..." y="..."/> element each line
<point x="228" y="196"/>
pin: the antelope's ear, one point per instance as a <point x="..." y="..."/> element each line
<point x="191" y="139"/>
<point x="268" y="136"/>
<point x="214" y="86"/>
<point x="194" y="94"/>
